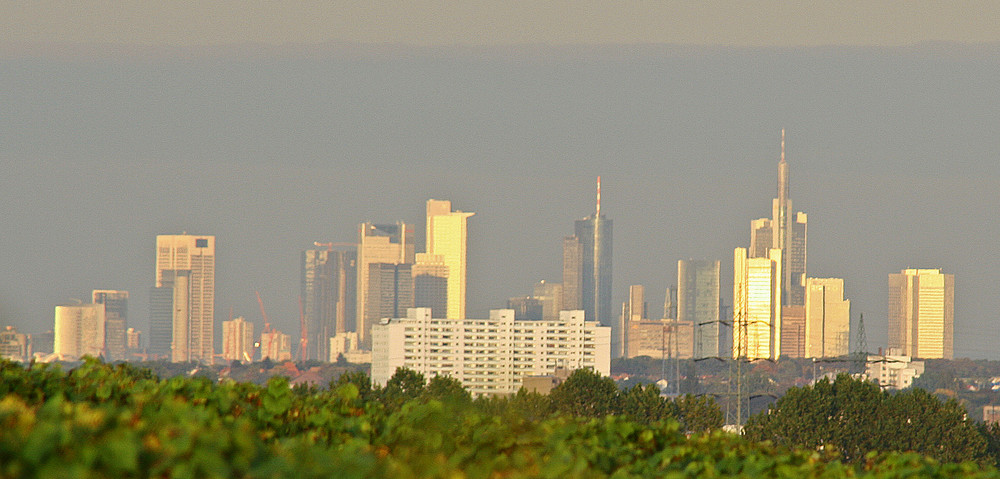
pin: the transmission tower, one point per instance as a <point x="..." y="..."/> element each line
<point x="860" y="348"/>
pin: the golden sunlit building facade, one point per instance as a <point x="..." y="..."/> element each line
<point x="757" y="305"/>
<point x="828" y="318"/>
<point x="447" y="237"/>
<point x="922" y="313"/>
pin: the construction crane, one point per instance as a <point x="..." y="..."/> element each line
<point x="304" y="341"/>
<point x="267" y="324"/>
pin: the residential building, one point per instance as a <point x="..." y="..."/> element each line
<point x="447" y="237"/>
<point x="275" y="345"/>
<point x="757" y="305"/>
<point x="828" y="318"/>
<point x="115" y="321"/>
<point x="79" y="331"/>
<point x="488" y="356"/>
<point x="348" y="346"/>
<point x="237" y="340"/>
<point x="922" y="313"/>
<point x="378" y="243"/>
<point x="185" y="271"/>
<point x="595" y="236"/>
<point x="698" y="303"/>
<point x="14" y="345"/>
<point x="893" y="370"/>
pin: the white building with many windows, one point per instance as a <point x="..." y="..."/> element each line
<point x="488" y="356"/>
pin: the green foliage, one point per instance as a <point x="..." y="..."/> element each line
<point x="112" y="421"/>
<point x="856" y="418"/>
<point x="586" y="393"/>
<point x="699" y="413"/>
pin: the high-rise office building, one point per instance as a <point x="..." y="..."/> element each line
<point x="785" y="230"/>
<point x="237" y="340"/>
<point x="115" y="321"/>
<point x="551" y="297"/>
<point x="922" y="313"/>
<point x="79" y="331"/>
<point x="161" y="321"/>
<point x="698" y="303"/>
<point x="595" y="236"/>
<point x="430" y="283"/>
<point x="329" y="279"/>
<point x="447" y="236"/>
<point x="316" y="291"/>
<point x="572" y="274"/>
<point x="828" y="318"/>
<point x="390" y="290"/>
<point x="378" y="243"/>
<point x="185" y="266"/>
<point x="756" y="305"/>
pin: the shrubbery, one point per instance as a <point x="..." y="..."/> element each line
<point x="118" y="421"/>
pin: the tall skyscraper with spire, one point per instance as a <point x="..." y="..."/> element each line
<point x="785" y="231"/>
<point x="594" y="234"/>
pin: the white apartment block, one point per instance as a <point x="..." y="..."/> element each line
<point x="893" y="370"/>
<point x="488" y="356"/>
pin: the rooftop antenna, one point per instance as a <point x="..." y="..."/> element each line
<point x="598" y="196"/>
<point x="782" y="145"/>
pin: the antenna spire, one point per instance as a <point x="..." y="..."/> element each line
<point x="782" y="145"/>
<point x="598" y="197"/>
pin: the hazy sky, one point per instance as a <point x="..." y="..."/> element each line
<point x="732" y="23"/>
<point x="892" y="150"/>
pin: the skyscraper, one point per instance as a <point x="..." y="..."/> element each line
<point x="115" y="321"/>
<point x="378" y="243"/>
<point x="328" y="283"/>
<point x="390" y="290"/>
<point x="447" y="236"/>
<point x="595" y="235"/>
<point x="922" y="313"/>
<point x="698" y="302"/>
<point x="79" y="331"/>
<point x="828" y="318"/>
<point x="572" y="274"/>
<point x="785" y="231"/>
<point x="430" y="284"/>
<point x="756" y="305"/>
<point x="551" y="296"/>
<point x="185" y="265"/>
<point x="316" y="291"/>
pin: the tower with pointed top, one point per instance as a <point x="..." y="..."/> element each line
<point x="784" y="230"/>
<point x="594" y="234"/>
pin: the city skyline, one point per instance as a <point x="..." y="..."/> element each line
<point x="883" y="178"/>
